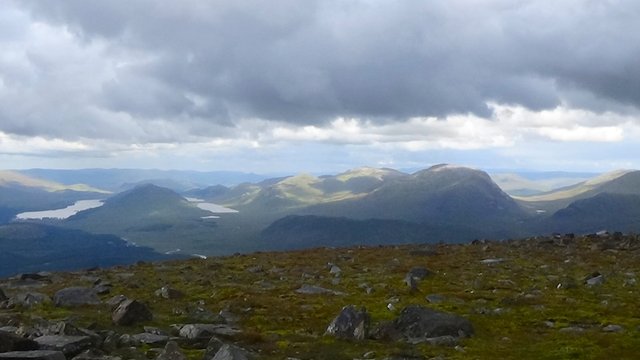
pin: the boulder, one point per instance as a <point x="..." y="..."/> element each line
<point x="33" y="355"/>
<point x="169" y="293"/>
<point x="130" y="312"/>
<point x="230" y="352"/>
<point x="69" y="345"/>
<point x="417" y="322"/>
<point x="350" y="324"/>
<point x="75" y="296"/>
<point x="171" y="351"/>
<point x="13" y="342"/>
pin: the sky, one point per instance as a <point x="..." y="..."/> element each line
<point x="320" y="85"/>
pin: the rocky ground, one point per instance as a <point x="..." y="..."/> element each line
<point x="541" y="298"/>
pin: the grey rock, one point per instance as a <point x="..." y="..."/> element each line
<point x="29" y="299"/>
<point x="169" y="293"/>
<point x="76" y="296"/>
<point x="94" y="354"/>
<point x="316" y="290"/>
<point x="151" y="339"/>
<point x="419" y="272"/>
<point x="335" y="270"/>
<point x="13" y="342"/>
<point x="417" y="322"/>
<point x="102" y="289"/>
<point x="116" y="300"/>
<point x="130" y="312"/>
<point x="33" y="355"/>
<point x="492" y="261"/>
<point x="351" y="324"/>
<point x="435" y="298"/>
<point x="594" y="279"/>
<point x="446" y="340"/>
<point x="613" y="328"/>
<point x="69" y="345"/>
<point x="230" y="352"/>
<point x="200" y="331"/>
<point x="213" y="346"/>
<point x="171" y="351"/>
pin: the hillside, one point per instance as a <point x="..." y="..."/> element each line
<point x="539" y="298"/>
<point x="148" y="215"/>
<point x="604" y="211"/>
<point x="620" y="182"/>
<point x="28" y="248"/>
<point x="440" y="195"/>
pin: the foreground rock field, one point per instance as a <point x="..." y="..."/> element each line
<point x="552" y="297"/>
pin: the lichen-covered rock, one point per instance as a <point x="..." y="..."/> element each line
<point x="130" y="312"/>
<point x="76" y="296"/>
<point x="351" y="323"/>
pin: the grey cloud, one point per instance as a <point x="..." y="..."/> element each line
<point x="310" y="61"/>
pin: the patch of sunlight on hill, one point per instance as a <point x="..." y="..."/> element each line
<point x="577" y="189"/>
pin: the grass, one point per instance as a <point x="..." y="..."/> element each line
<point x="515" y="306"/>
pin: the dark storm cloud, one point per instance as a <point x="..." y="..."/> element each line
<point x="311" y="61"/>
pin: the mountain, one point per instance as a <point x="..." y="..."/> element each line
<point x="210" y="193"/>
<point x="114" y="179"/>
<point x="604" y="211"/>
<point x="440" y="195"/>
<point x="286" y="194"/>
<point x="26" y="247"/>
<point x="616" y="182"/>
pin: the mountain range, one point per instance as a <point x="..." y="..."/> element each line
<point x="443" y="203"/>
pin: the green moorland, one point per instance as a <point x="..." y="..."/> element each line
<point x="527" y="299"/>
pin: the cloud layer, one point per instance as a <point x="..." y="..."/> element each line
<point x="106" y="77"/>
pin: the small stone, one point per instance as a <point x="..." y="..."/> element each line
<point x="613" y="328"/>
<point x="435" y="298"/>
<point x="492" y="261"/>
<point x="369" y="355"/>
<point x="151" y="339"/>
<point x="335" y="270"/>
<point x="595" y="279"/>
<point x="316" y="290"/>
<point x="169" y="293"/>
